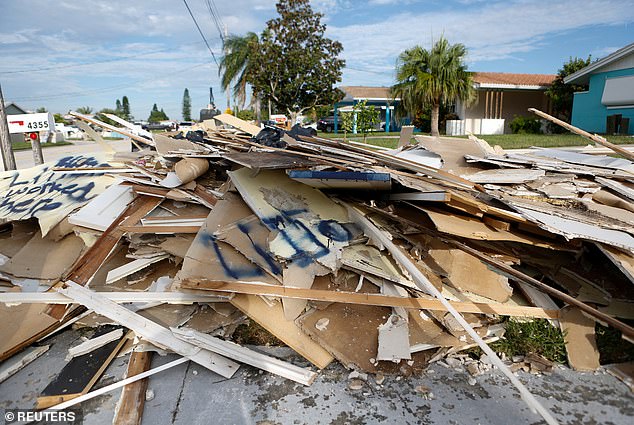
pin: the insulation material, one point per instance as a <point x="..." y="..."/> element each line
<point x="186" y="170"/>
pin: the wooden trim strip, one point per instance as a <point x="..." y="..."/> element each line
<point x="367" y="299"/>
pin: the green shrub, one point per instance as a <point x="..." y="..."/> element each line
<point x="246" y="114"/>
<point x="525" y="125"/>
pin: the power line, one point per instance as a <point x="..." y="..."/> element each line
<point x="215" y="18"/>
<point x="200" y="31"/>
<point x="106" y="89"/>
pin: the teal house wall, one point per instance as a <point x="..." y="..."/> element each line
<point x="587" y="111"/>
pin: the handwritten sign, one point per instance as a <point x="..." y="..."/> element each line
<point x="50" y="196"/>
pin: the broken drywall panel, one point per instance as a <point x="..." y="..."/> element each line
<point x="272" y="319"/>
<point x="94" y="343"/>
<point x="618" y="187"/>
<point x="580" y="339"/>
<point x="368" y="259"/>
<point x="419" y="155"/>
<point x="212" y="259"/>
<point x="247" y="356"/>
<point x="607" y="198"/>
<point x="394" y="342"/>
<point x="148" y="330"/>
<point x="250" y="238"/>
<point x="467" y="273"/>
<point x="473" y="228"/>
<point x="247" y="127"/>
<point x="186" y="170"/>
<point x="613" y="212"/>
<point x="48" y="196"/>
<point x="572" y="229"/>
<point x="133" y="267"/>
<point x="425" y="333"/>
<point x="13" y="365"/>
<point x="44" y="259"/>
<point x="309" y="225"/>
<point x="421" y="196"/>
<point x="177" y="245"/>
<point x="624" y="261"/>
<point x="299" y="276"/>
<point x="165" y="145"/>
<point x="510" y="176"/>
<point x="405" y="136"/>
<point x="601" y="161"/>
<point x="452" y="151"/>
<point x="358" y="180"/>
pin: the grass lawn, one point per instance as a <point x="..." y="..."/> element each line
<point x="27" y="146"/>
<point x="506" y="141"/>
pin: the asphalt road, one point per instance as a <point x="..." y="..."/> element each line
<point x="24" y="158"/>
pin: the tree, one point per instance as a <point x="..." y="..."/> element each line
<point x="345" y="123"/>
<point x="237" y="65"/>
<point x="118" y="108"/>
<point x="433" y="77"/>
<point x="366" y="118"/>
<point x="246" y="115"/>
<point x="125" y="108"/>
<point x="59" y="118"/>
<point x="156" y="115"/>
<point x="41" y="110"/>
<point x="187" y="106"/>
<point x="561" y="94"/>
<point x="296" y="66"/>
<point x="107" y="120"/>
<point x="85" y="110"/>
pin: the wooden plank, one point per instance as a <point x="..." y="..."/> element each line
<point x="133" y="267"/>
<point x="118" y="297"/>
<point x="595" y="138"/>
<point x="367" y="299"/>
<point x="81" y="373"/>
<point x="247" y="356"/>
<point x="134" y="138"/>
<point x="95" y="343"/>
<point x="95" y="136"/>
<point x="425" y="285"/>
<point x="103" y="210"/>
<point x="148" y="329"/>
<point x="272" y="319"/>
<point x="247" y="127"/>
<point x="160" y="229"/>
<point x="270" y="160"/>
<point x="129" y="410"/>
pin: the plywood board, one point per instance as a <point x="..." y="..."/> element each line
<point x="248" y="128"/>
<point x="624" y="261"/>
<point x="272" y="319"/>
<point x="43" y="258"/>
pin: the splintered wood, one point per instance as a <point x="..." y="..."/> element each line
<point x="381" y="259"/>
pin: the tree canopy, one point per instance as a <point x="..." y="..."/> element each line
<point x="561" y="94"/>
<point x="187" y="106"/>
<point x="156" y="115"/>
<point x="237" y="64"/>
<point x="432" y="77"/>
<point x="297" y="66"/>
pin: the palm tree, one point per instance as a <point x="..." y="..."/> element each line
<point x="236" y="64"/>
<point x="432" y="77"/>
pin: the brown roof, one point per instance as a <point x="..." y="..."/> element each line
<point x="363" y="92"/>
<point x="513" y="79"/>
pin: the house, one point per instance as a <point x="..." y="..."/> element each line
<point x="13" y="109"/>
<point x="608" y="105"/>
<point x="500" y="97"/>
<point x="380" y="97"/>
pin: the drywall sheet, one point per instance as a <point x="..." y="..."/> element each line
<point x="50" y="196"/>
<point x="309" y="226"/>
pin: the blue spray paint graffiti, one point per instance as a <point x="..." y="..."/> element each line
<point x="272" y="265"/>
<point x="42" y="192"/>
<point x="230" y="270"/>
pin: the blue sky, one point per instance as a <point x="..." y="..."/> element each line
<point x="72" y="53"/>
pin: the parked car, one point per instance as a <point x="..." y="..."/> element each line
<point x="326" y="124"/>
<point x="157" y="126"/>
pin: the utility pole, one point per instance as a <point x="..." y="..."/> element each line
<point x="224" y="42"/>
<point x="8" y="160"/>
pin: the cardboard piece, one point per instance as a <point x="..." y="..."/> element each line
<point x="580" y="340"/>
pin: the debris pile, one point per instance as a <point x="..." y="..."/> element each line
<point x="384" y="260"/>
